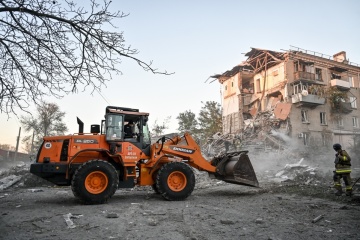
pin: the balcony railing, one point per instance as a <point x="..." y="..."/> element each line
<point x="307" y="76"/>
<point x="342" y="107"/>
<point x="308" y="99"/>
<point x="304" y="75"/>
<point x="340" y="83"/>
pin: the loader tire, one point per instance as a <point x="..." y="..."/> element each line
<point x="175" y="181"/>
<point x="95" y="182"/>
<point x="154" y="187"/>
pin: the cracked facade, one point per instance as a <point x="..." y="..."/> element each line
<point x="311" y="97"/>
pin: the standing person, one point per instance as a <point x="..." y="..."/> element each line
<point x="342" y="170"/>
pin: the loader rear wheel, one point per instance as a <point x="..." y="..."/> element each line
<point x="95" y="182"/>
<point x="154" y="187"/>
<point x="175" y="181"/>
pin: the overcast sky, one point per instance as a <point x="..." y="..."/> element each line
<point x="196" y="39"/>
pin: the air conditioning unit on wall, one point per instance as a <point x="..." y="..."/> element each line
<point x="301" y="135"/>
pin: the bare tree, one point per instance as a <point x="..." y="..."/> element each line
<point x="48" y="121"/>
<point x="50" y="47"/>
<point x="158" y="129"/>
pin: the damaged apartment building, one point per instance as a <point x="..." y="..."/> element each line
<point x="296" y="97"/>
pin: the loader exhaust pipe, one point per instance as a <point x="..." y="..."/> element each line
<point x="81" y="125"/>
<point x="235" y="168"/>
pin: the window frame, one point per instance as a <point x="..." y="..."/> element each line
<point x="318" y="72"/>
<point x="323" y="120"/>
<point x="304" y="116"/>
<point x="353" y="103"/>
<point x="355" y="122"/>
<point x="340" y="122"/>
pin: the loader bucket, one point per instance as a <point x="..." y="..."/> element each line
<point x="235" y="168"/>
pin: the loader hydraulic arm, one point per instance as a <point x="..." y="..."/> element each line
<point x="184" y="147"/>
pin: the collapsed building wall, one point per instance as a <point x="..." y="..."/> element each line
<point x="276" y="93"/>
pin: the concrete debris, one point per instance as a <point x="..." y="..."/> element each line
<point x="259" y="221"/>
<point x="68" y="220"/>
<point x="61" y="192"/>
<point x="152" y="222"/>
<point x="227" y="222"/>
<point x="8" y="181"/>
<point x="112" y="215"/>
<point x="318" y="218"/>
<point x="19" y="175"/>
<point x="297" y="170"/>
<point x="35" y="190"/>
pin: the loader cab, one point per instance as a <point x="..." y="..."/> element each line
<point x="116" y="118"/>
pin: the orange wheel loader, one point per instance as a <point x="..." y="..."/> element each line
<point x="96" y="164"/>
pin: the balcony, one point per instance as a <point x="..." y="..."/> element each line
<point x="309" y="100"/>
<point x="340" y="84"/>
<point x="341" y="107"/>
<point x="308" y="77"/>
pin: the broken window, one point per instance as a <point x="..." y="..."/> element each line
<point x="258" y="85"/>
<point x="304" y="116"/>
<point x="323" y="118"/>
<point x="318" y="74"/>
<point x="335" y="76"/>
<point x="355" y="122"/>
<point x="353" y="102"/>
<point x="309" y="69"/>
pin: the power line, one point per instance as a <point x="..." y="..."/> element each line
<point x="103" y="97"/>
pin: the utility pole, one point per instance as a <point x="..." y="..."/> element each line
<point x="32" y="143"/>
<point x="17" y="145"/>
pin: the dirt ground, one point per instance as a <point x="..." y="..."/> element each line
<point x="32" y="209"/>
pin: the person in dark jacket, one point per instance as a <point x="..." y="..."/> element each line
<point x="128" y="129"/>
<point x="342" y="170"/>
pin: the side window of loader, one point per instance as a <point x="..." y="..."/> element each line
<point x="114" y="127"/>
<point x="146" y="132"/>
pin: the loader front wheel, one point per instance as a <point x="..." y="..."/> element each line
<point x="95" y="182"/>
<point x="175" y="181"/>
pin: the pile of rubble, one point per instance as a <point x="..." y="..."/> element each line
<point x="19" y="176"/>
<point x="299" y="173"/>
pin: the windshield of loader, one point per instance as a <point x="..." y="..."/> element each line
<point x="114" y="127"/>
